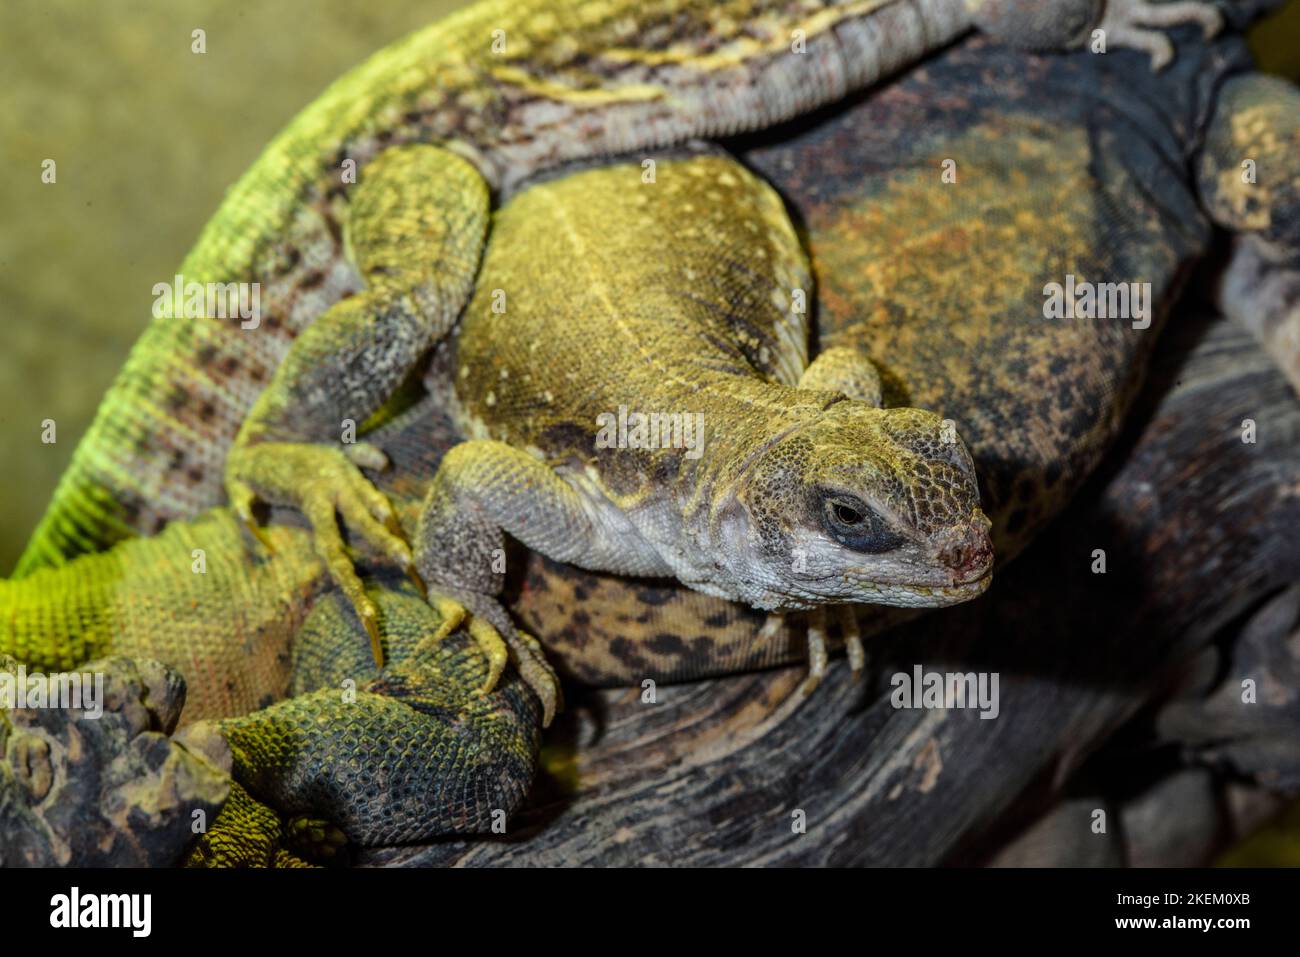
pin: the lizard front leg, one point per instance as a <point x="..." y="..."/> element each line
<point x="1068" y="24"/>
<point x="483" y="490"/>
<point x="415" y="230"/>
<point x="846" y="370"/>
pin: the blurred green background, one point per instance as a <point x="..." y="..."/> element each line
<point x="147" y="136"/>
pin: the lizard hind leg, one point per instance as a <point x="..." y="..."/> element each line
<point x="415" y="230"/>
<point x="851" y="634"/>
<point x="818" y="650"/>
<point x="818" y="656"/>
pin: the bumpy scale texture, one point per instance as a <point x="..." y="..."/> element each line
<point x="515" y="85"/>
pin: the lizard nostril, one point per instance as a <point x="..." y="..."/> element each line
<point x="966" y="554"/>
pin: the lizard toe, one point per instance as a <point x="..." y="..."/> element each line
<point x="1129" y="23"/>
<point x="818" y="657"/>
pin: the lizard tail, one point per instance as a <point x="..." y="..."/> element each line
<point x="54" y="620"/>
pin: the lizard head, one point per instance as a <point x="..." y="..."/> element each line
<point x="859" y="505"/>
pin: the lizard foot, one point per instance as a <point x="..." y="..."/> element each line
<point x="324" y="483"/>
<point x="453" y="614"/>
<point x="1126" y="24"/>
<point x="313" y="838"/>
<point x="500" y="641"/>
<point x="818" y="653"/>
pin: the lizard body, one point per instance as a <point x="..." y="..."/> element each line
<point x="512" y="88"/>
<point x="747" y="473"/>
<point x="1076" y="165"/>
<point x="707" y="330"/>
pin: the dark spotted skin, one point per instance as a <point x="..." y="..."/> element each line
<point x="1065" y="164"/>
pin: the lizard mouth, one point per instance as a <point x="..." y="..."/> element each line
<point x="933" y="596"/>
<point x="914" y="595"/>
<point x="958" y="592"/>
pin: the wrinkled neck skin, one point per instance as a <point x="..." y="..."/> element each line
<point x="699" y="529"/>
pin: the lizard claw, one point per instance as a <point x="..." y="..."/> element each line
<point x="1126" y="21"/>
<point x="241" y="499"/>
<point x="326" y="485"/>
<point x="366" y="456"/>
<point x="501" y="643"/>
<point x="526" y="652"/>
<point x="372" y="629"/>
<point x="250" y="524"/>
<point x="417" y="581"/>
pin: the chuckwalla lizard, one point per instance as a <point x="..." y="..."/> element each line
<point x="1078" y="166"/>
<point x="979" y="222"/>
<point x="372" y="278"/>
<point x="679" y="429"/>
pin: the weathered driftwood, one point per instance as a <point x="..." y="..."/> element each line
<point x="1248" y="720"/>
<point x="102" y="784"/>
<point x="1197" y="527"/>
<point x="1191" y="778"/>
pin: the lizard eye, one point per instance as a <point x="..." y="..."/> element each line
<point x="847" y="514"/>
<point x="854" y="525"/>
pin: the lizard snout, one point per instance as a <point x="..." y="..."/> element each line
<point x="967" y="551"/>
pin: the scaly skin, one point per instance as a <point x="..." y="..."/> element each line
<point x="574" y="80"/>
<point x="1064" y="165"/>
<point x="234" y="619"/>
<point x="774" y="487"/>
<point x="706" y="327"/>
<point x="269" y="651"/>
